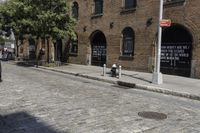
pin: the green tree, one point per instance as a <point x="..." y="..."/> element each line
<point x="54" y="20"/>
<point x="39" y="19"/>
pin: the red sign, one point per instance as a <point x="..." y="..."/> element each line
<point x="165" y="23"/>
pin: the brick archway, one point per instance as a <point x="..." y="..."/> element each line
<point x="176" y="52"/>
<point x="98" y="48"/>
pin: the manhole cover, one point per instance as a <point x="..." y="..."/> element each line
<point x="152" y="115"/>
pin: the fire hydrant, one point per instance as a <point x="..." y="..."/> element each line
<point x="114" y="70"/>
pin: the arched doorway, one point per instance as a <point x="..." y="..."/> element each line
<point x="176" y="51"/>
<point x="98" y="47"/>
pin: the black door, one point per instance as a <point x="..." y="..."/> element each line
<point x="32" y="49"/>
<point x="176" y="51"/>
<point x="98" y="49"/>
<point x="58" y="47"/>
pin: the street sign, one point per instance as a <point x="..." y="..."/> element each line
<point x="165" y="23"/>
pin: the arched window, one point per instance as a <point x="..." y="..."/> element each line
<point x="98" y="6"/>
<point x="74" y="46"/>
<point x="130" y="4"/>
<point x="75" y="10"/>
<point x="128" y="42"/>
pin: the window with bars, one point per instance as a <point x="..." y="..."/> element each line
<point x="128" y="42"/>
<point x="75" y="10"/>
<point x="130" y="4"/>
<point x="98" y="6"/>
<point x="74" y="46"/>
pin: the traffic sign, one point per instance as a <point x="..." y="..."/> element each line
<point x="165" y="23"/>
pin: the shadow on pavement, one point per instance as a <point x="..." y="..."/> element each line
<point x="25" y="64"/>
<point x="22" y="122"/>
<point x="135" y="76"/>
<point x="40" y="63"/>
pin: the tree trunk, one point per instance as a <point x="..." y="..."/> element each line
<point x="38" y="43"/>
<point x="48" y="50"/>
<point x="17" y="46"/>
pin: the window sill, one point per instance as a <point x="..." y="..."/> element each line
<point x="128" y="58"/>
<point x="96" y="16"/>
<point x="127" y="10"/>
<point x="174" y="3"/>
<point x="73" y="54"/>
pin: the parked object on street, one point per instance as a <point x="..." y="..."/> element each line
<point x="7" y="55"/>
<point x="1" y="54"/>
<point x="114" y="70"/>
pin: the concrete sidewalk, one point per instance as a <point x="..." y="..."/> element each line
<point x="173" y="85"/>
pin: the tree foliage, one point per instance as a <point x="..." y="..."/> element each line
<point x="38" y="18"/>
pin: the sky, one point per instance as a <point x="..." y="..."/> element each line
<point x="2" y="0"/>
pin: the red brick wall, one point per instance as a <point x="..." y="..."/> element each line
<point x="187" y="15"/>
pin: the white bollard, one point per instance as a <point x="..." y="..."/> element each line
<point x="104" y="69"/>
<point x="120" y="72"/>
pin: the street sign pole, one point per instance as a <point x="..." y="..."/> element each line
<point x="157" y="75"/>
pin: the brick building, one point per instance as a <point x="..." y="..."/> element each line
<point x="125" y="32"/>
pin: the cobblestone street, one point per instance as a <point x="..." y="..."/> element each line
<point x="39" y="101"/>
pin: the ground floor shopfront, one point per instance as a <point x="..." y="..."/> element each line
<point x="42" y="50"/>
<point x="131" y="48"/>
<point x="179" y="53"/>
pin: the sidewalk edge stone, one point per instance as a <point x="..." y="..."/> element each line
<point x="159" y="90"/>
<point x="131" y="85"/>
<point x="79" y="75"/>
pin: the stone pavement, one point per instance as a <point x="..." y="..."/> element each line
<point x="35" y="100"/>
<point x="172" y="85"/>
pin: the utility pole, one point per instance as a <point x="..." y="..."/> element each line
<point x="157" y="75"/>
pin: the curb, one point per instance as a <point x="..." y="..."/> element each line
<point x="158" y="90"/>
<point x="80" y="75"/>
<point x="168" y="92"/>
<point x="131" y="85"/>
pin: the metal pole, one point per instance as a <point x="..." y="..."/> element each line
<point x="104" y="69"/>
<point x="120" y="72"/>
<point x="157" y="76"/>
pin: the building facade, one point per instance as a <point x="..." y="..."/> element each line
<point x="124" y="32"/>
